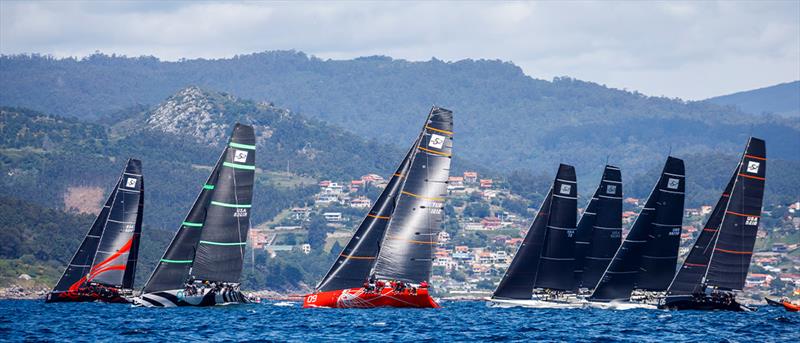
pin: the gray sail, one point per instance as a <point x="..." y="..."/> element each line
<point x="172" y="271"/>
<point x="407" y="249"/>
<point x="358" y="257"/>
<point x="220" y="250"/>
<point x="119" y="242"/>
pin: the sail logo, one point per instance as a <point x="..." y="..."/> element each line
<point x="752" y="167"/>
<point x="130" y="182"/>
<point x="751" y="221"/>
<point x="565" y="189"/>
<point x="436" y="141"/>
<point x="611" y="189"/>
<point x="240" y="156"/>
<point x="673" y="183"/>
<point x="675" y="232"/>
<point x="128" y="228"/>
<point x="240" y="213"/>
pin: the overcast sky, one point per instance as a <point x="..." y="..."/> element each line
<point x="691" y="50"/>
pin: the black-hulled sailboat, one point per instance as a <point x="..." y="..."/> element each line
<point x="203" y="263"/>
<point x="104" y="267"/>
<point x="541" y="273"/>
<point x="718" y="263"/>
<point x="644" y="264"/>
<point x="388" y="261"/>
<point x="599" y="232"/>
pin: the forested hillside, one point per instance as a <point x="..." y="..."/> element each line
<point x="504" y="118"/>
<point x="782" y="99"/>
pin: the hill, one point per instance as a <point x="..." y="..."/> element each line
<point x="505" y="119"/>
<point x="782" y="99"/>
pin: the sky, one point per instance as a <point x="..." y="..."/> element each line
<point x="690" y="50"/>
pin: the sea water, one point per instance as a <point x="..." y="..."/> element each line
<point x="25" y="320"/>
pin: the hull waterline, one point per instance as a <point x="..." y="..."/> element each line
<point x="535" y="303"/>
<point x="69" y="296"/>
<point x="703" y="304"/>
<point x="360" y="298"/>
<point x="179" y="298"/>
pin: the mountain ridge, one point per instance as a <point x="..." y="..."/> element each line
<point x="782" y="99"/>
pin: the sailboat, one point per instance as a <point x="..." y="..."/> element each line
<point x="599" y="232"/>
<point x="541" y="273"/>
<point x="388" y="260"/>
<point x="104" y="267"/>
<point x="203" y="263"/>
<point x="644" y="264"/>
<point x="718" y="263"/>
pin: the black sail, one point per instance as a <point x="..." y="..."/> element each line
<point x="114" y="262"/>
<point x="733" y="250"/>
<point x="81" y="262"/>
<point x="220" y="250"/>
<point x="517" y="282"/>
<point x="358" y="257"/>
<point x="173" y="269"/>
<point x="690" y="276"/>
<point x="557" y="259"/>
<point x="407" y="249"/>
<point x="599" y="232"/>
<point x="648" y="255"/>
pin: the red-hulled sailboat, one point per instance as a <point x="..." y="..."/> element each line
<point x="387" y="262"/>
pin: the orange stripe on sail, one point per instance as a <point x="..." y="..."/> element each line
<point x="695" y="265"/>
<point x="742" y="215"/>
<point x="710" y="230"/>
<point x="752" y="177"/>
<point x="439" y="130"/>
<point x="756" y="157"/>
<point x="434" y="152"/>
<point x="734" y="252"/>
<point x="421" y="197"/>
<point x="377" y="216"/>
<point x="358" y="257"/>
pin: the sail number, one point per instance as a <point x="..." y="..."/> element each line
<point x="311" y="298"/>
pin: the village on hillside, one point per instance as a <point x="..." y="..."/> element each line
<point x="485" y="223"/>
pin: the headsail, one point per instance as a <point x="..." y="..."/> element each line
<point x="407" y="249"/>
<point x="599" y="232"/>
<point x="648" y="255"/>
<point x="358" y="257"/>
<point x="220" y="250"/>
<point x="733" y="249"/>
<point x="173" y="269"/>
<point x="558" y="252"/>
<point x="114" y="262"/>
<point x="517" y="282"/>
<point x="81" y="262"/>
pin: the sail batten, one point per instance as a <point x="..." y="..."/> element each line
<point x="407" y="247"/>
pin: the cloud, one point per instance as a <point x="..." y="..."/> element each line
<point x="690" y="50"/>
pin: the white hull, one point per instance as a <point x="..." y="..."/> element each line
<point x="535" y="303"/>
<point x="620" y="305"/>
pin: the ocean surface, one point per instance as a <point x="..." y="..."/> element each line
<point x="26" y="320"/>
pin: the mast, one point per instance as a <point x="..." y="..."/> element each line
<point x="172" y="270"/>
<point x="220" y="250"/>
<point x="648" y="255"/>
<point x="118" y="246"/>
<point x="357" y="258"/>
<point x="599" y="232"/>
<point x="407" y="248"/>
<point x="689" y="277"/>
<point x="733" y="247"/>
<point x="81" y="262"/>
<point x="558" y="250"/>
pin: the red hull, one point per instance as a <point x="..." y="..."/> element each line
<point x="791" y="307"/>
<point x="360" y="298"/>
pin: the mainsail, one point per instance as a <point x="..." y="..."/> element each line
<point x="173" y="268"/>
<point x="221" y="247"/>
<point x="523" y="274"/>
<point x="407" y="248"/>
<point x="357" y="259"/>
<point x="647" y="257"/>
<point x="558" y="251"/>
<point x="108" y="253"/>
<point x="733" y="247"/>
<point x="599" y="231"/>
